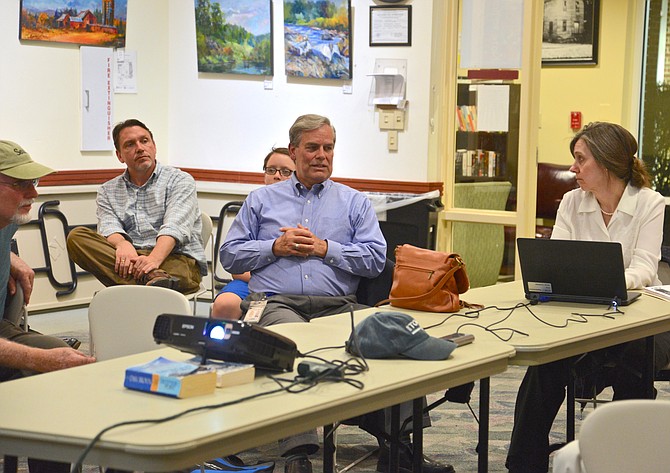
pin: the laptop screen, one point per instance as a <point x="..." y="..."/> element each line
<point x="572" y="270"/>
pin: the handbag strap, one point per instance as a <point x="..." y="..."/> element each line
<point x="428" y="294"/>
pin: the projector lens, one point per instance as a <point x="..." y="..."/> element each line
<point x="217" y="333"/>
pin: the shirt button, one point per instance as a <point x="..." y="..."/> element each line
<point x="309" y="201"/>
<point x="332" y="260"/>
<point x="306" y="220"/>
<point x="306" y="277"/>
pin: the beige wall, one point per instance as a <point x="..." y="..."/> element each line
<point x="41" y="107"/>
<point x="40" y="92"/>
<point x="213" y="121"/>
<point x="606" y="92"/>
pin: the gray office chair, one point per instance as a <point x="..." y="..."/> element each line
<point x="121" y="318"/>
<point x="207" y="284"/>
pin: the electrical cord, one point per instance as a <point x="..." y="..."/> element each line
<point x="612" y="309"/>
<point x="489" y="328"/>
<point x="337" y="371"/>
<point x="510" y="332"/>
<point x="77" y="466"/>
<point x="466" y="315"/>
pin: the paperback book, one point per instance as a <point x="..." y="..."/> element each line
<point x="171" y="378"/>
<point x="662" y="292"/>
<point x="229" y="373"/>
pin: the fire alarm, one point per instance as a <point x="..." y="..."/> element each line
<point x="576" y="120"/>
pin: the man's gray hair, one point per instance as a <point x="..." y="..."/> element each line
<point x="307" y="123"/>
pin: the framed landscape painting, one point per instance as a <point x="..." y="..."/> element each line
<point x="234" y="36"/>
<point x="317" y="38"/>
<point x="87" y="22"/>
<point x="570" y="32"/>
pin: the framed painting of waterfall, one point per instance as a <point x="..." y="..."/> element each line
<point x="317" y="38"/>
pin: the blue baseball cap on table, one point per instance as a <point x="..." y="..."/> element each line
<point x="390" y="334"/>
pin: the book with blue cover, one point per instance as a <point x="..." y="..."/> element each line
<point x="180" y="379"/>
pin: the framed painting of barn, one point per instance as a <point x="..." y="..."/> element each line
<point x="87" y="22"/>
<point x="234" y="36"/>
<point x="317" y="38"/>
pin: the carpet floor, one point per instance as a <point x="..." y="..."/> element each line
<point x="452" y="439"/>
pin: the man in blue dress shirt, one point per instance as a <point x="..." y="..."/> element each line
<point x="308" y="238"/>
<point x="307" y="241"/>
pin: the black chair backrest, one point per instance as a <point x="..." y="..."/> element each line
<point x="373" y="290"/>
<point x="230" y="208"/>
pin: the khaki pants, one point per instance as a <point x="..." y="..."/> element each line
<point x="92" y="252"/>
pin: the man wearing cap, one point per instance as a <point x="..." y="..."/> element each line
<point x="24" y="353"/>
<point x="149" y="224"/>
<point x="307" y="241"/>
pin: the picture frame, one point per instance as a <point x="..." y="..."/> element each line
<point x="570" y="32"/>
<point x="317" y="41"/>
<point x="79" y="22"/>
<point x="391" y="25"/>
<point x="234" y="36"/>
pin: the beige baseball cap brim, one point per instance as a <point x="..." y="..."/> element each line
<point x="16" y="162"/>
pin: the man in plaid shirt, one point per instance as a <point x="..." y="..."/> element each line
<point x="149" y="221"/>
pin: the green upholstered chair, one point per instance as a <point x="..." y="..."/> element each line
<point x="481" y="245"/>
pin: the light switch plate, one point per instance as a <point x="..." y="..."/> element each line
<point x="386" y="121"/>
<point x="393" y="140"/>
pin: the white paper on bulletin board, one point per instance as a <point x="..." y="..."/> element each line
<point x="492" y="107"/>
<point x="492" y="34"/>
<point x="97" y="90"/>
<point x="125" y="72"/>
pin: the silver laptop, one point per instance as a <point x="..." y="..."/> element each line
<point x="573" y="271"/>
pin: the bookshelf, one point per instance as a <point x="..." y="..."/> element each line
<point x="469" y="62"/>
<point x="487" y="135"/>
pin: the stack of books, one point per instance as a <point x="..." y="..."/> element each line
<point x="184" y="379"/>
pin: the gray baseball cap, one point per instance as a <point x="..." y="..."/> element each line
<point x="390" y="334"/>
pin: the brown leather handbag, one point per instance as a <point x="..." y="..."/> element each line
<point x="428" y="280"/>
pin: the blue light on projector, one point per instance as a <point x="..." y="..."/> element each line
<point x="217" y="333"/>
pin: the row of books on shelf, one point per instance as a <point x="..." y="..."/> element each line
<point x="466" y="116"/>
<point x="477" y="163"/>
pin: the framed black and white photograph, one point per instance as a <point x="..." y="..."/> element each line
<point x="570" y="32"/>
<point x="391" y="25"/>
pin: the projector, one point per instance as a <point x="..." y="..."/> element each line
<point x="226" y="340"/>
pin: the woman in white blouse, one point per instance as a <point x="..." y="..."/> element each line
<point x="613" y="203"/>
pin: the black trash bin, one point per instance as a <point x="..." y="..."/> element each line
<point x="411" y="219"/>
